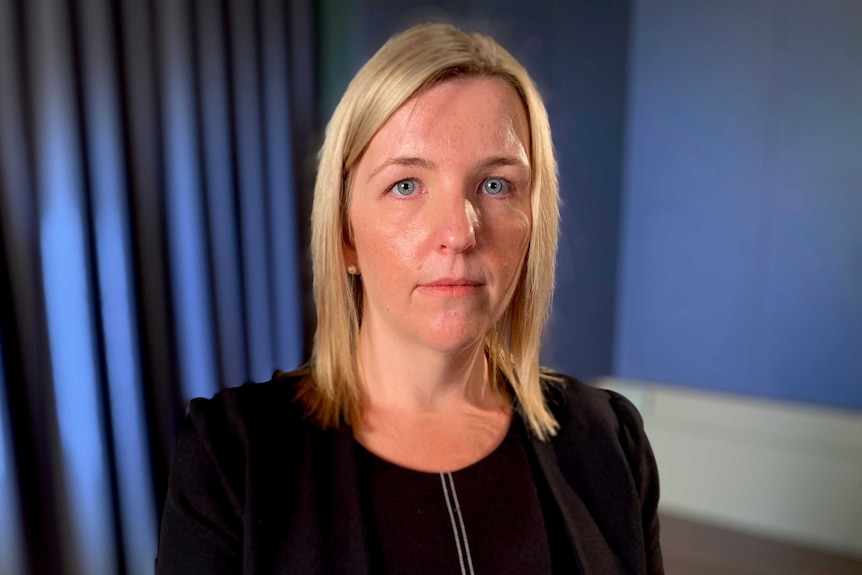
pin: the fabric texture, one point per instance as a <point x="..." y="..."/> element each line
<point x="256" y="488"/>
<point x="484" y="518"/>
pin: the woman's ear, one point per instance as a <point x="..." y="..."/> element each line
<point x="348" y="254"/>
<point x="348" y="247"/>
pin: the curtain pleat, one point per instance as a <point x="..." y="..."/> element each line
<point x="134" y="504"/>
<point x="244" y="70"/>
<point x="11" y="537"/>
<point x="281" y="180"/>
<point x="139" y="88"/>
<point x="184" y="204"/>
<point x="215" y="135"/>
<point x="81" y="454"/>
<point x="26" y="381"/>
<point x="154" y="188"/>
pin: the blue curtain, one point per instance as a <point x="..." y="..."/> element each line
<point x="151" y="160"/>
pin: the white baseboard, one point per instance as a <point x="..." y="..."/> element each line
<point x="791" y="472"/>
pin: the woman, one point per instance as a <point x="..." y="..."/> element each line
<point x="422" y="436"/>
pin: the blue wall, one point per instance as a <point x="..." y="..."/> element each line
<point x="741" y="252"/>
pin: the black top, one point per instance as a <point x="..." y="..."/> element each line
<point x="484" y="518"/>
<point x="257" y="488"/>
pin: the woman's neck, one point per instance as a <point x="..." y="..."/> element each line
<point x="415" y="378"/>
<point x="425" y="410"/>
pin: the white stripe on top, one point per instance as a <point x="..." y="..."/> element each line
<point x="457" y="527"/>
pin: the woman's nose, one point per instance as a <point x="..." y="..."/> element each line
<point x="457" y="223"/>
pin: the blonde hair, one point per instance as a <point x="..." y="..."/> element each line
<point x="407" y="64"/>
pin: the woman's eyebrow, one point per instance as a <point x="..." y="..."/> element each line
<point x="416" y="162"/>
<point x="496" y="161"/>
<point x="410" y="161"/>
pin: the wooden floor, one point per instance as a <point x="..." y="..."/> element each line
<point x="692" y="548"/>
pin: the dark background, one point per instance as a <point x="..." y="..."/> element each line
<point x="156" y="166"/>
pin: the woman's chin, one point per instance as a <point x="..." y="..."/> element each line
<point x="454" y="338"/>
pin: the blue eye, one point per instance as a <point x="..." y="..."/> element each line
<point x="495" y="186"/>
<point x="404" y="187"/>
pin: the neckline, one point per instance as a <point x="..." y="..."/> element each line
<point x="513" y="434"/>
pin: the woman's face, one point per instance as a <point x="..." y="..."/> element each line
<point x="440" y="212"/>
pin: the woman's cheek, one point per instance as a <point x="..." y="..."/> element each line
<point x="395" y="240"/>
<point x="516" y="230"/>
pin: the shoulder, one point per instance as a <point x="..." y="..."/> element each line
<point x="603" y="452"/>
<point x="599" y="428"/>
<point x="249" y="404"/>
<point x="580" y="408"/>
<point x="253" y="417"/>
<point x="601" y="432"/>
<point x="237" y="427"/>
<point x="239" y="437"/>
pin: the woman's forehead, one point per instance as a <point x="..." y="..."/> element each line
<point x="459" y="119"/>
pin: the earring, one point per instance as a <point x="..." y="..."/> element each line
<point x="352" y="270"/>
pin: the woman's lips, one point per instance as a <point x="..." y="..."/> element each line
<point x="451" y="287"/>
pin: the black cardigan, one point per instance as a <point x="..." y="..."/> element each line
<point x="255" y="488"/>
